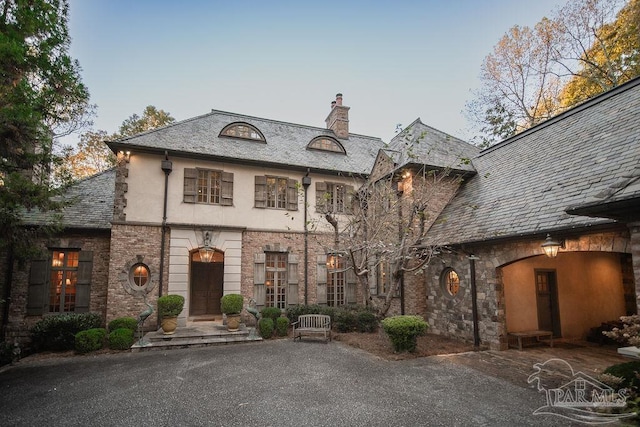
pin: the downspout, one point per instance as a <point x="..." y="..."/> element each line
<point x="167" y="167"/>
<point x="474" y="301"/>
<point x="306" y="182"/>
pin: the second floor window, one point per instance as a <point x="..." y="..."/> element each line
<point x="276" y="192"/>
<point x="334" y="197"/>
<point x="208" y="186"/>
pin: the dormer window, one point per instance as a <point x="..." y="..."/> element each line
<point x="325" y="143"/>
<point x="243" y="131"/>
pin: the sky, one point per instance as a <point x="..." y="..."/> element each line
<point x="393" y="61"/>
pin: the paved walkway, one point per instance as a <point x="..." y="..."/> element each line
<point x="277" y="383"/>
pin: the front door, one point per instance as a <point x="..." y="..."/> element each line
<point x="206" y="288"/>
<point x="547" y="300"/>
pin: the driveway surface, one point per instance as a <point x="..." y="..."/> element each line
<point x="273" y="383"/>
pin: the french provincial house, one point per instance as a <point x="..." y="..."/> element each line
<point x="221" y="203"/>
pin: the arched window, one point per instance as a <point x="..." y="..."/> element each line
<point x="325" y="143"/>
<point x="243" y="131"/>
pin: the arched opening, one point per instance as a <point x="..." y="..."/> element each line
<point x="207" y="284"/>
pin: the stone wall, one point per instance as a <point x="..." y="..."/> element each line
<point x="19" y="323"/>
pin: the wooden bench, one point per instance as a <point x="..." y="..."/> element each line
<point x="312" y="324"/>
<point x="518" y="336"/>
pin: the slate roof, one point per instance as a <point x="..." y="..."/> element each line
<point x="424" y="145"/>
<point x="525" y="184"/>
<point x="91" y="207"/>
<point x="285" y="144"/>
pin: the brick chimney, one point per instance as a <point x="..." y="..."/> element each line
<point x="338" y="118"/>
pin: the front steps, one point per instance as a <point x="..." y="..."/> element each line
<point x="196" y="334"/>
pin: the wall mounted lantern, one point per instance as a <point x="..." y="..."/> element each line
<point x="550" y="246"/>
<point x="206" y="252"/>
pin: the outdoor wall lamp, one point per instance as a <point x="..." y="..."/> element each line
<point x="206" y="252"/>
<point x="550" y="246"/>
<point x="125" y="155"/>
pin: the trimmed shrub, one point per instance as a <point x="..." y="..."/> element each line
<point x="170" y="305"/>
<point x="366" y="321"/>
<point x="123" y="322"/>
<point x="403" y="331"/>
<point x="90" y="340"/>
<point x="271" y="313"/>
<point x="121" y="339"/>
<point x="282" y="326"/>
<point x="58" y="332"/>
<point x="6" y="353"/>
<point x="232" y="304"/>
<point x="345" y="321"/>
<point x="626" y="371"/>
<point x="296" y="310"/>
<point x="265" y="327"/>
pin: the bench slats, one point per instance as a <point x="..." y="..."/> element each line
<point x="311" y="324"/>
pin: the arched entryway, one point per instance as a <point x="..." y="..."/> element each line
<point x="206" y="285"/>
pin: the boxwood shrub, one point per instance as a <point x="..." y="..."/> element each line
<point x="403" y="331"/>
<point x="282" y="326"/>
<point x="121" y="339"/>
<point x="58" y="332"/>
<point x="294" y="311"/>
<point x="627" y="371"/>
<point x="90" y="340"/>
<point x="271" y="313"/>
<point x="265" y="327"/>
<point x="123" y="322"/>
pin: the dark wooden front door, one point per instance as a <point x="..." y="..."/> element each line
<point x="547" y="300"/>
<point x="206" y="288"/>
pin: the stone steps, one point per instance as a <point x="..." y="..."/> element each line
<point x="196" y="334"/>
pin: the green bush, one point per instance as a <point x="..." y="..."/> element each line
<point x="121" y="339"/>
<point x="345" y="321"/>
<point x="6" y="353"/>
<point x="232" y="304"/>
<point x="271" y="313"/>
<point x="403" y="331"/>
<point x="123" y="322"/>
<point x="366" y="321"/>
<point x="170" y="305"/>
<point x="282" y="326"/>
<point x="626" y="371"/>
<point x="90" y="340"/>
<point x="58" y="332"/>
<point x="265" y="327"/>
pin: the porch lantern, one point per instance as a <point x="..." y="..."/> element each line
<point x="550" y="247"/>
<point x="206" y="252"/>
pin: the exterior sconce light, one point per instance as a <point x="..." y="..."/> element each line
<point x="206" y="252"/>
<point x="550" y="246"/>
<point x="126" y="155"/>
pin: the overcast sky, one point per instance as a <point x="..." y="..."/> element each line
<point x="394" y="61"/>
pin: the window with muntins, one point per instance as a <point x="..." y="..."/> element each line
<point x="334" y="197"/>
<point x="276" y="192"/>
<point x="208" y="186"/>
<point x="335" y="280"/>
<point x="243" y="131"/>
<point x="276" y="279"/>
<point x="324" y="143"/>
<point x="63" y="280"/>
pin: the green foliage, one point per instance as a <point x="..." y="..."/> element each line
<point x="403" y="331"/>
<point x="170" y="305"/>
<point x="124" y="322"/>
<point x="282" y="326"/>
<point x="6" y="353"/>
<point x="41" y="96"/>
<point x="90" y="340"/>
<point x="294" y="311"/>
<point x="627" y="371"/>
<point x="58" y="332"/>
<point x="355" y="319"/>
<point x="366" y="321"/>
<point x="121" y="339"/>
<point x="232" y="303"/>
<point x="271" y="313"/>
<point x="265" y="328"/>
<point x="345" y="321"/>
<point x="152" y="118"/>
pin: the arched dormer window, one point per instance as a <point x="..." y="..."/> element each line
<point x="243" y="131"/>
<point x="325" y="143"/>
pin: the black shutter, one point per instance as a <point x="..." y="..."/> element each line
<point x="83" y="285"/>
<point x="38" y="292"/>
